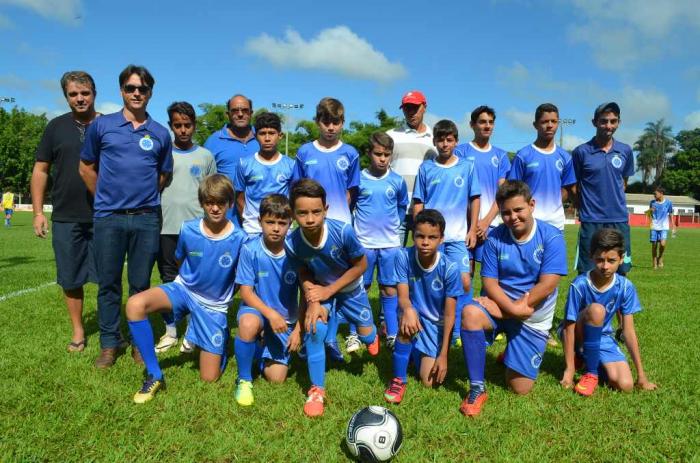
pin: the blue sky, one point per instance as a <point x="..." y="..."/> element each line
<point x="511" y="55"/>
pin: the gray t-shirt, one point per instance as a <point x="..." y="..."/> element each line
<point x="179" y="199"/>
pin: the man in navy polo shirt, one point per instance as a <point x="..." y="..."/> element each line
<point x="602" y="167"/>
<point x="125" y="162"/>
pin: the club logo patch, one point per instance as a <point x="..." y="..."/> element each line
<point x="538" y="253"/>
<point x="559" y="164"/>
<point x="390" y="193"/>
<point x="536" y="361"/>
<point x="335" y="252"/>
<point x="225" y="261"/>
<point x="494" y="161"/>
<point x="616" y="161"/>
<point x="196" y="170"/>
<point x="146" y="143"/>
<point x="365" y="315"/>
<point x="290" y="277"/>
<point x="217" y="339"/>
<point x="459" y="182"/>
<point x="342" y="163"/>
<point x="436" y="284"/>
<point x="281" y="179"/>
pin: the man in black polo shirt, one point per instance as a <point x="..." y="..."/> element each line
<point x="72" y="204"/>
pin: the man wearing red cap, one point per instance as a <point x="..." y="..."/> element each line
<point x="413" y="144"/>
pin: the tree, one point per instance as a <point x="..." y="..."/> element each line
<point x="682" y="176"/>
<point x="212" y="119"/>
<point x="20" y="133"/>
<point x="654" y="147"/>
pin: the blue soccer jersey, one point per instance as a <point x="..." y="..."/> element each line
<point x="620" y="295"/>
<point x="517" y="265"/>
<point x="660" y="213"/>
<point x="449" y="190"/>
<point x="546" y="173"/>
<point x="208" y="264"/>
<point x="428" y="287"/>
<point x="381" y="205"/>
<point x="491" y="165"/>
<point x="337" y="170"/>
<point x="272" y="277"/>
<point x="258" y="178"/>
<point x="331" y="258"/>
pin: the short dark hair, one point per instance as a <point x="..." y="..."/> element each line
<point x="512" y="188"/>
<point x="146" y="77"/>
<point x="482" y="109"/>
<point x="216" y="188"/>
<point x="306" y="188"/>
<point x="432" y="217"/>
<point x="660" y="189"/>
<point x="381" y="139"/>
<point x="445" y="128"/>
<point x="183" y="108"/>
<point x="329" y="109"/>
<point x="276" y="205"/>
<point x="228" y="102"/>
<point x="268" y="120"/>
<point x="607" y="239"/>
<point x="80" y="77"/>
<point x="545" y="108"/>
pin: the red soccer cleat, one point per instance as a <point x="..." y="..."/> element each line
<point x="314" y="403"/>
<point x="373" y="348"/>
<point x="586" y="385"/>
<point x="471" y="406"/>
<point x="394" y="393"/>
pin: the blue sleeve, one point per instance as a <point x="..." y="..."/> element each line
<point x="573" y="304"/>
<point x="239" y="178"/>
<point x="180" y="250"/>
<point x="554" y="255"/>
<point x="474" y="187"/>
<point x="628" y="170"/>
<point x="402" y="200"/>
<point x="245" y="272"/>
<point x="576" y="162"/>
<point x="165" y="159"/>
<point x="670" y="207"/>
<point x="453" y="281"/>
<point x="351" y="245"/>
<point x="91" y="147"/>
<point x="568" y="176"/>
<point x="402" y="266"/>
<point x="489" y="259"/>
<point x="292" y="257"/>
<point x="298" y="171"/>
<point x="504" y="166"/>
<point x="419" y="185"/>
<point x="630" y="301"/>
<point x="517" y="170"/>
<point x="354" y="171"/>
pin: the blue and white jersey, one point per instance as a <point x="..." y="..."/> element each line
<point x="208" y="265"/>
<point x="518" y="265"/>
<point x="380" y="208"/>
<point x="337" y="170"/>
<point x="491" y="165"/>
<point x="448" y="188"/>
<point x="660" y="213"/>
<point x="271" y="276"/>
<point x="619" y="295"/>
<point x="258" y="178"/>
<point x="546" y="173"/>
<point x="331" y="258"/>
<point x="428" y="287"/>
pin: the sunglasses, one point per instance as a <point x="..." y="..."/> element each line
<point x="141" y="88"/>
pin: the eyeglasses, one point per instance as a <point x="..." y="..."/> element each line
<point x="239" y="110"/>
<point x="141" y="88"/>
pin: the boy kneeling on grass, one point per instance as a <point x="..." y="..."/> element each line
<point x="587" y="331"/>
<point x="208" y="250"/>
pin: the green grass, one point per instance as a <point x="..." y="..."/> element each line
<point x="57" y="407"/>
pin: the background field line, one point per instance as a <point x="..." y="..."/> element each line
<point x="21" y="292"/>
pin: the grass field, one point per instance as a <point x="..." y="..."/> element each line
<point x="55" y="406"/>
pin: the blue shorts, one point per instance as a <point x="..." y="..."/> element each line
<point x="353" y="306"/>
<point x="207" y="329"/>
<point x="609" y="349"/>
<point x="385" y="261"/>
<point x="525" y="347"/>
<point x="458" y="253"/>
<point x="8" y="211"/>
<point x="428" y="341"/>
<point x="657" y="235"/>
<point x="275" y="344"/>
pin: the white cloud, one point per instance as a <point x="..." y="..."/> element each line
<point x="107" y="107"/>
<point x="692" y="120"/>
<point x="337" y="49"/>
<point x="66" y="11"/>
<point x="519" y="119"/>
<point x="14" y="82"/>
<point x="49" y="113"/>
<point x="5" y="22"/>
<point x="628" y="135"/>
<point x="640" y="105"/>
<point x="569" y="142"/>
<point x="465" y="132"/>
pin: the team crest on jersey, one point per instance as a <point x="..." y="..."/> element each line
<point x="226" y="260"/>
<point x="196" y="170"/>
<point x="281" y="179"/>
<point x="342" y="163"/>
<point x="616" y="161"/>
<point x="465" y="261"/>
<point x="290" y="277"/>
<point x="436" y="284"/>
<point x="610" y="306"/>
<point x="217" y="339"/>
<point x="559" y="164"/>
<point x="365" y="315"/>
<point x="390" y="193"/>
<point x="494" y="161"/>
<point x="538" y="253"/>
<point x="459" y="182"/>
<point x="146" y="143"/>
<point x="335" y="251"/>
<point x="536" y="361"/>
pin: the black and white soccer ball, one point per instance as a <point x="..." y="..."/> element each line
<point x="374" y="434"/>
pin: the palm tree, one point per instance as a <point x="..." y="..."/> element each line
<point x="654" y="147"/>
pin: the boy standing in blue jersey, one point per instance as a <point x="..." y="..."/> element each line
<point x="429" y="285"/>
<point x="661" y="211"/>
<point x="594" y="299"/>
<point x="331" y="262"/>
<point x="269" y="299"/>
<point x="546" y="168"/>
<point x="492" y="166"/>
<point x="379" y="212"/>
<point x="266" y="172"/>
<point x="208" y="249"/>
<point x="523" y="261"/>
<point x="450" y="185"/>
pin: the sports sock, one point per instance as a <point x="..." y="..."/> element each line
<point x="352" y="328"/>
<point x="390" y="306"/>
<point x="400" y="358"/>
<point x="368" y="338"/>
<point x="316" y="354"/>
<point x="591" y="347"/>
<point x="142" y="336"/>
<point x="245" y="351"/>
<point x="332" y="327"/>
<point x="474" y="349"/>
<point x="170" y="326"/>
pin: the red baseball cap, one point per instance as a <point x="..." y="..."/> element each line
<point x="413" y="97"/>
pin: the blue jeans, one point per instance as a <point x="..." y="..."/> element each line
<point x="116" y="237"/>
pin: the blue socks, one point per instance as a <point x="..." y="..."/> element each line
<point x="332" y="327"/>
<point x="400" y="358"/>
<point x="142" y="336"/>
<point x="245" y="352"/>
<point x="369" y="338"/>
<point x="591" y="347"/>
<point x="474" y="349"/>
<point x="316" y="354"/>
<point x="390" y="306"/>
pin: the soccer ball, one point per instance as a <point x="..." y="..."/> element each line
<point x="374" y="434"/>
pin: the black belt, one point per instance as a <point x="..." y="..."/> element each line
<point x="137" y="211"/>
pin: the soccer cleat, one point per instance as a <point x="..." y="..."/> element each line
<point x="373" y="348"/>
<point x="244" y="393"/>
<point x="186" y="347"/>
<point x="352" y="343"/>
<point x="394" y="393"/>
<point x="165" y="342"/>
<point x="586" y="385"/>
<point x="471" y="406"/>
<point x="333" y="352"/>
<point x="149" y="389"/>
<point x="457" y="342"/>
<point x="390" y="342"/>
<point x="314" y="402"/>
